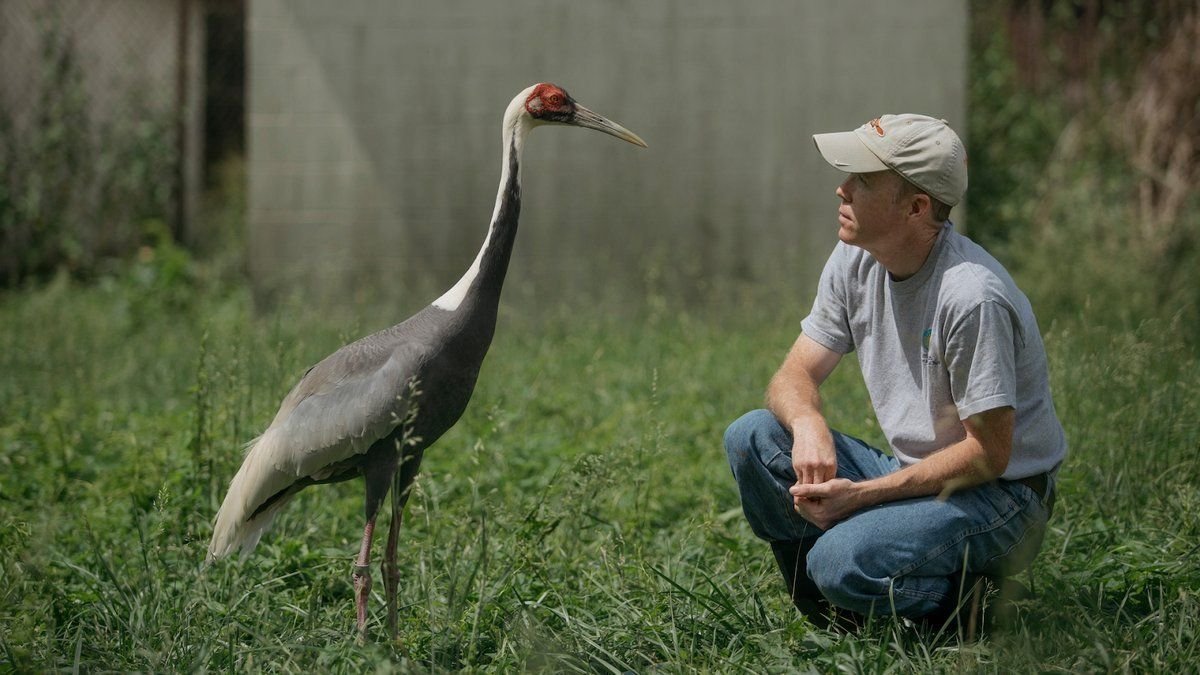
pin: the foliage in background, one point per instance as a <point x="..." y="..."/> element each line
<point x="1085" y="158"/>
<point x="75" y="193"/>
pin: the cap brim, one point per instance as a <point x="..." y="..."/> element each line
<point x="845" y="151"/>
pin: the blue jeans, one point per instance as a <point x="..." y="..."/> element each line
<point x="904" y="557"/>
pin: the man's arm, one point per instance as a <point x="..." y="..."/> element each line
<point x="980" y="457"/>
<point x="794" y="399"/>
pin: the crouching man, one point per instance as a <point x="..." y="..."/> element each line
<point x="952" y="358"/>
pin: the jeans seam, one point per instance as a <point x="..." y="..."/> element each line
<point x="996" y="523"/>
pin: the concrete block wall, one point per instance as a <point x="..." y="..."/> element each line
<point x="374" y="140"/>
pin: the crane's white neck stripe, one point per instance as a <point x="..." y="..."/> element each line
<point x="452" y="298"/>
<point x="516" y="125"/>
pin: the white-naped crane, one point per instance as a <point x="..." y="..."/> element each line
<point x="372" y="407"/>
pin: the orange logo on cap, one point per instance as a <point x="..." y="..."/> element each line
<point x="876" y="126"/>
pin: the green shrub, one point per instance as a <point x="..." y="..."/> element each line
<point x="1082" y="177"/>
<point x="75" y="192"/>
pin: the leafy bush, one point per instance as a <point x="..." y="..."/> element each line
<point x="74" y="192"/>
<point x="1084" y="159"/>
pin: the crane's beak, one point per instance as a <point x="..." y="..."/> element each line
<point x="588" y="119"/>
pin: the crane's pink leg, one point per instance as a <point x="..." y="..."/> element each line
<point x="362" y="577"/>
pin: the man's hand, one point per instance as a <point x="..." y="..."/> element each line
<point x="980" y="457"/>
<point x="794" y="398"/>
<point x="826" y="504"/>
<point x="813" y="456"/>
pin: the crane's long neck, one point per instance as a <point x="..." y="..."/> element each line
<point x="479" y="288"/>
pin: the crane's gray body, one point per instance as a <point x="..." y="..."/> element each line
<point x="410" y="383"/>
<point x="377" y="403"/>
<point x="372" y="407"/>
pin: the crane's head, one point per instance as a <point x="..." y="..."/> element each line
<point x="550" y="104"/>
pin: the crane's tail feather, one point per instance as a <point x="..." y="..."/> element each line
<point x="244" y="536"/>
<point x="240" y="522"/>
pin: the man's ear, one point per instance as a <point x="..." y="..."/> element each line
<point x="920" y="205"/>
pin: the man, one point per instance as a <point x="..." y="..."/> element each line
<point x="952" y="358"/>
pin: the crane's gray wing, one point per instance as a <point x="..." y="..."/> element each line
<point x="342" y="405"/>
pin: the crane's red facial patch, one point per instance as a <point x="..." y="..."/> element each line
<point x="549" y="101"/>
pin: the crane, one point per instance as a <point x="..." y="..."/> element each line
<point x="372" y="407"/>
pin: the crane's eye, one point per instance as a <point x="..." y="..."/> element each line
<point x="548" y="100"/>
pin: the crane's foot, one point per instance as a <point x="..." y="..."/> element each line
<point x="362" y="591"/>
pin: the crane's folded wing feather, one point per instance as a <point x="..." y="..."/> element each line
<point x="341" y="406"/>
<point x="344" y="404"/>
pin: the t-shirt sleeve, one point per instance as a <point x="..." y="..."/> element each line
<point x="828" y="323"/>
<point x="981" y="357"/>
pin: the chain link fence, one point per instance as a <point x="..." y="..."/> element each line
<point x="115" y="119"/>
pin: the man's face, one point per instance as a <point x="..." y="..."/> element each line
<point x="869" y="209"/>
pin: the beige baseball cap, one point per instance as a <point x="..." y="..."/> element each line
<point x="924" y="150"/>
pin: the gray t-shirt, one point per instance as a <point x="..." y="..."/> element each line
<point x="955" y="339"/>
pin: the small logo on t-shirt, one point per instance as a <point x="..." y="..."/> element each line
<point x="927" y="358"/>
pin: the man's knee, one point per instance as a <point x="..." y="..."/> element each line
<point x="742" y="437"/>
<point x="834" y="567"/>
<point x="744" y="429"/>
<point x="826" y="566"/>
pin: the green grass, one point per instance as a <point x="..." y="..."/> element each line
<point x="580" y="517"/>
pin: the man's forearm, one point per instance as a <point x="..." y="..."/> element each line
<point x="980" y="457"/>
<point x="956" y="467"/>
<point x="959" y="466"/>
<point x="793" y="394"/>
<point x="793" y="397"/>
